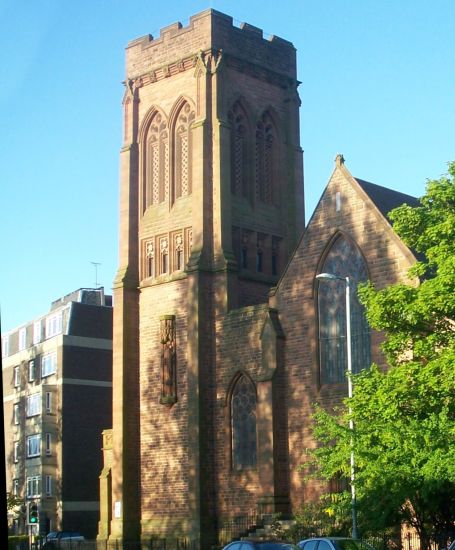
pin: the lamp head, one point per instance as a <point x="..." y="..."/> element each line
<point x="328" y="276"/>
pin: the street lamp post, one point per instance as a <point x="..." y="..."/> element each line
<point x="347" y="281"/>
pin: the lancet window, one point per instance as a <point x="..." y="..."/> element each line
<point x="183" y="152"/>
<point x="344" y="260"/>
<point x="157" y="162"/>
<point x="243" y="424"/>
<point x="239" y="151"/>
<point x="266" y="160"/>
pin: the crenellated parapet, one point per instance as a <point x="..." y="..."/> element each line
<point x="178" y="47"/>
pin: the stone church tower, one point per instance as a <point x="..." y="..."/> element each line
<point x="211" y="208"/>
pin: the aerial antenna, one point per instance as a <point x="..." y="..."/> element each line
<point x="95" y="265"/>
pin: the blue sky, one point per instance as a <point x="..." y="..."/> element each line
<point x="378" y="85"/>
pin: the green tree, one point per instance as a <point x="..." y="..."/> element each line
<point x="404" y="418"/>
<point x="12" y="502"/>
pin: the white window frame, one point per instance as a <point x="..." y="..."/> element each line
<point x="54" y="324"/>
<point x="17" y="377"/>
<point x="48" y="402"/>
<point x="37" y="332"/>
<point x="16" y="413"/>
<point x="48" y="444"/>
<point x="31" y="370"/>
<point x="34" y="404"/>
<point x="16" y="451"/>
<point x="15" y="487"/>
<point x="48" y="485"/>
<point x="5" y="345"/>
<point x="33" y="486"/>
<point x="33" y="445"/>
<point x="22" y="339"/>
<point x="48" y="364"/>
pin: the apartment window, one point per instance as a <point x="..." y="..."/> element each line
<point x="37" y="332"/>
<point x="16" y="451"/>
<point x="31" y="371"/>
<point x="34" y="404"/>
<point x="48" y="402"/>
<point x="16" y="413"/>
<point x="17" y="377"/>
<point x="16" y="487"/>
<point x="33" y="445"/>
<point x="49" y="364"/>
<point x="22" y="338"/>
<point x="5" y="346"/>
<point x="33" y="486"/>
<point x="48" y="444"/>
<point x="54" y="325"/>
<point x="48" y="485"/>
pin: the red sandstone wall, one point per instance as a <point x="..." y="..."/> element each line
<point x="238" y="349"/>
<point x="387" y="260"/>
<point x="164" y="433"/>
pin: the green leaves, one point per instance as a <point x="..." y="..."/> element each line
<point x="404" y="419"/>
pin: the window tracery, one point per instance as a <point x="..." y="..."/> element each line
<point x="157" y="162"/>
<point x="243" y="424"/>
<point x="239" y="151"/>
<point x="266" y="161"/>
<point x="183" y="152"/>
<point x="343" y="259"/>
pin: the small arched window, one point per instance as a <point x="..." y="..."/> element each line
<point x="183" y="150"/>
<point x="239" y="151"/>
<point x="243" y="424"/>
<point x="343" y="260"/>
<point x="266" y="161"/>
<point x="156" y="162"/>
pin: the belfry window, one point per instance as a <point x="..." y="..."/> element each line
<point x="243" y="424"/>
<point x="239" y="151"/>
<point x="344" y="260"/>
<point x="266" y="161"/>
<point x="157" y="162"/>
<point x="183" y="152"/>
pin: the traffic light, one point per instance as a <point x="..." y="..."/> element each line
<point x="32" y="513"/>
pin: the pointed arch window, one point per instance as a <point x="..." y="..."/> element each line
<point x="157" y="162"/>
<point x="183" y="152"/>
<point x="266" y="160"/>
<point x="343" y="259"/>
<point x="243" y="424"/>
<point x="239" y="151"/>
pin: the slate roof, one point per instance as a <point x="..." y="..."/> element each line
<point x="386" y="199"/>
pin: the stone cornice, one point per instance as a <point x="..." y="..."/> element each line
<point x="162" y="72"/>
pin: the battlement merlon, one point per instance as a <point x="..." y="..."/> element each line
<point x="210" y="29"/>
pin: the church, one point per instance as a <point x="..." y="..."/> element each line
<point x="224" y="337"/>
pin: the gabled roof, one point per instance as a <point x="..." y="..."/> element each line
<point x="386" y="199"/>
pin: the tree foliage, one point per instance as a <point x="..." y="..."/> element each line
<point x="404" y="418"/>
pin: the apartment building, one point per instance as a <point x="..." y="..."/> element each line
<point x="57" y="399"/>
